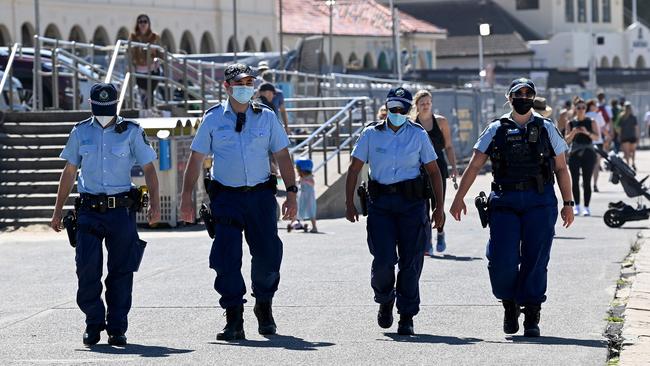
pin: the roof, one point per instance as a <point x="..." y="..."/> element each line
<point x="462" y="17"/>
<point x="350" y="18"/>
<point x="494" y="45"/>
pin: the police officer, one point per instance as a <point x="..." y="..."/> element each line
<point x="526" y="152"/>
<point x="105" y="147"/>
<point x="395" y="149"/>
<point x="240" y="134"/>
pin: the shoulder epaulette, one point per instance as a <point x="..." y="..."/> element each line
<point x="213" y="107"/>
<point x="417" y="125"/>
<point x="380" y="125"/>
<point x="84" y="121"/>
<point x="258" y="107"/>
<point x="123" y="125"/>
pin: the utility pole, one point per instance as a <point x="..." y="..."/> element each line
<point x="281" y="42"/>
<point x="331" y="3"/>
<point x="593" y="84"/>
<point x="37" y="90"/>
<point x="234" y="36"/>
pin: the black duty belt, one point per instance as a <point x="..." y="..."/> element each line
<point x="520" y="186"/>
<point x="103" y="202"/>
<point x="216" y="187"/>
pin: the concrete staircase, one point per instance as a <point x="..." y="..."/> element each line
<point x="30" y="167"/>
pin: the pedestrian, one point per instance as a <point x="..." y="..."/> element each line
<point x="599" y="143"/>
<point x="522" y="204"/>
<point x="306" y="197"/>
<point x="240" y="134"/>
<point x="629" y="134"/>
<point x="612" y="143"/>
<point x="566" y="114"/>
<point x="541" y="108"/>
<point x="381" y="113"/>
<point x="581" y="133"/>
<point x="266" y="75"/>
<point x="439" y="133"/>
<point x="266" y="92"/>
<point x="105" y="147"/>
<point x="395" y="149"/>
<point x="144" y="65"/>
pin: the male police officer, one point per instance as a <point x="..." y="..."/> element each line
<point x="239" y="135"/>
<point x="526" y="151"/>
<point x="395" y="149"/>
<point x="105" y="147"/>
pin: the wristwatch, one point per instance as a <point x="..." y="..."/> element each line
<point x="292" y="188"/>
<point x="569" y="203"/>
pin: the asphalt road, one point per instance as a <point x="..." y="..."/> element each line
<point x="324" y="307"/>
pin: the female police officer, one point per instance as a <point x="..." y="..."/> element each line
<point x="395" y="149"/>
<point x="106" y="147"/>
<point x="526" y="152"/>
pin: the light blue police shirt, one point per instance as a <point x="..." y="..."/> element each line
<point x="105" y="156"/>
<point x="394" y="156"/>
<point x="239" y="158"/>
<point x="557" y="141"/>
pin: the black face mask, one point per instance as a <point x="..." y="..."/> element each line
<point x="522" y="105"/>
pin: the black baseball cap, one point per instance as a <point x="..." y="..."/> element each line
<point x="103" y="99"/>
<point x="521" y="83"/>
<point x="399" y="97"/>
<point x="236" y="72"/>
<point x="267" y="87"/>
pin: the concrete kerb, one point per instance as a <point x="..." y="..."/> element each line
<point x="633" y="298"/>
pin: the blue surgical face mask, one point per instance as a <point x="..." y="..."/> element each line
<point x="396" y="119"/>
<point x="242" y="93"/>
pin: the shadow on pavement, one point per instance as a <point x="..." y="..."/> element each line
<point x="451" y="257"/>
<point x="136" y="349"/>
<point x="569" y="237"/>
<point x="596" y="343"/>
<point x="278" y="341"/>
<point x="433" y="339"/>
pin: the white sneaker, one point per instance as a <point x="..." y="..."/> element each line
<point x="576" y="210"/>
<point x="586" y="211"/>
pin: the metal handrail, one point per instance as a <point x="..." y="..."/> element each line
<point x="8" y="69"/>
<point x="125" y="87"/>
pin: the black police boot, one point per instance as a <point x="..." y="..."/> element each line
<point x="405" y="325"/>
<point x="510" y="316"/>
<point x="264" y="315"/>
<point x="118" y="339"/>
<point x="234" y="328"/>
<point x="92" y="334"/>
<point x="385" y="314"/>
<point x="531" y="320"/>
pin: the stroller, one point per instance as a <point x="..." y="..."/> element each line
<point x="619" y="212"/>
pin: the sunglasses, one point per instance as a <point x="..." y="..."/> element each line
<point x="581" y="107"/>
<point x="523" y="95"/>
<point x="397" y="110"/>
<point x="143" y="21"/>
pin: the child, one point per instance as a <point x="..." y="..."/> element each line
<point x="306" y="197"/>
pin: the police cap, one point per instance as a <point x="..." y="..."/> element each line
<point x="236" y="72"/>
<point x="103" y="99"/>
<point x="399" y="97"/>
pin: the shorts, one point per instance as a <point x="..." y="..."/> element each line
<point x="631" y="140"/>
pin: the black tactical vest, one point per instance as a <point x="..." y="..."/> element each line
<point x="522" y="155"/>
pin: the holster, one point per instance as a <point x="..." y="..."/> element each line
<point x="70" y="224"/>
<point x="362" y="192"/>
<point x="207" y="218"/>
<point x="483" y="206"/>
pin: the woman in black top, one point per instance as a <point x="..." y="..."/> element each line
<point x="581" y="132"/>
<point x="629" y="133"/>
<point x="438" y="129"/>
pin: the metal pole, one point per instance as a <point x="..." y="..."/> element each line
<point x="593" y="84"/>
<point x="634" y="12"/>
<point x="399" y="47"/>
<point x="149" y="98"/>
<point x="338" y="143"/>
<point x="37" y="92"/>
<point x="325" y="154"/>
<point x="281" y="40"/>
<point x="392" y="17"/>
<point x="185" y="83"/>
<point x="331" y="5"/>
<point x="55" y="76"/>
<point x="480" y="61"/>
<point x="234" y="37"/>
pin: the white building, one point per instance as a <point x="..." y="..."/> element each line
<point x="190" y="26"/>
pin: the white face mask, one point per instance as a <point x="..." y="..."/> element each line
<point x="104" y="120"/>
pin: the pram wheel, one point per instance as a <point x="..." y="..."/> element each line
<point x="613" y="218"/>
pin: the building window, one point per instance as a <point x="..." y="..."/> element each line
<point x="582" y="11"/>
<point x="569" y="14"/>
<point x="527" y="4"/>
<point x="594" y="11"/>
<point x="607" y="11"/>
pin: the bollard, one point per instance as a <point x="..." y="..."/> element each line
<point x="165" y="153"/>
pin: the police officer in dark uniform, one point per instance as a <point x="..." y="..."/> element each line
<point x="526" y="152"/>
<point x="395" y="149"/>
<point x="105" y="147"/>
<point x="239" y="135"/>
